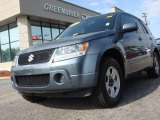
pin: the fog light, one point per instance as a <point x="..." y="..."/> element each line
<point x="59" y="78"/>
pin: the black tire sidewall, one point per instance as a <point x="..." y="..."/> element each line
<point x="155" y="55"/>
<point x="152" y="72"/>
<point x="108" y="62"/>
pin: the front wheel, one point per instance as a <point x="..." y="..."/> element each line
<point x="154" y="72"/>
<point x="110" y="85"/>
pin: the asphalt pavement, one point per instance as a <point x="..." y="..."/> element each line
<point x="141" y="101"/>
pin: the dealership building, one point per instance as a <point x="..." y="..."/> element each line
<point x="26" y="23"/>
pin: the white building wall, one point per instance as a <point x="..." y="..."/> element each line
<point x="24" y="30"/>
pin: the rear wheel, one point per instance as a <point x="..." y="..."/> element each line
<point x="110" y="86"/>
<point x="154" y="72"/>
<point x="33" y="99"/>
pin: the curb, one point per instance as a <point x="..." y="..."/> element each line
<point x="5" y="78"/>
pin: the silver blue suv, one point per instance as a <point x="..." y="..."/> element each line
<point x="91" y="57"/>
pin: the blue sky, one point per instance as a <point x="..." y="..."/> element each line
<point x="135" y="7"/>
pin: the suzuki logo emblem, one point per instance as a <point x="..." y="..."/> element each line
<point x="30" y="58"/>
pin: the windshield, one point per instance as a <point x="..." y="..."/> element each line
<point x="95" y="24"/>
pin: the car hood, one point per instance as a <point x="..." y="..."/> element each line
<point x="69" y="41"/>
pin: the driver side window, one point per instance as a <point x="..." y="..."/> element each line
<point x="125" y="19"/>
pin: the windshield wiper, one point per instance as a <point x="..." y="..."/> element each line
<point x="79" y="33"/>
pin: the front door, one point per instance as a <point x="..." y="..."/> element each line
<point x="133" y="45"/>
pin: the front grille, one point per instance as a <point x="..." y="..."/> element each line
<point x="33" y="80"/>
<point x="36" y="57"/>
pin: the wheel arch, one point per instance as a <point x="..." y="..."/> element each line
<point x="117" y="55"/>
<point x="157" y="51"/>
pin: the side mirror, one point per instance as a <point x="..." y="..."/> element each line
<point x="129" y="27"/>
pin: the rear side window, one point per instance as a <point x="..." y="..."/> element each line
<point x="125" y="19"/>
<point x="145" y="27"/>
<point x="140" y="29"/>
<point x="158" y="41"/>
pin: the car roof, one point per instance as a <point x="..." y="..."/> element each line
<point x="116" y="13"/>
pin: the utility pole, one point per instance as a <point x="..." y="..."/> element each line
<point x="145" y="18"/>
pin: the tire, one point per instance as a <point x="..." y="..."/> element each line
<point x="33" y="99"/>
<point x="154" y="72"/>
<point x="107" y="86"/>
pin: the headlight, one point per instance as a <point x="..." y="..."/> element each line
<point x="72" y="51"/>
<point x="14" y="61"/>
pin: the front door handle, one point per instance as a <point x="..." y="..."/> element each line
<point x="140" y="38"/>
<point x="150" y="38"/>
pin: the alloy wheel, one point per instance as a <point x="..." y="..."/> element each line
<point x="112" y="82"/>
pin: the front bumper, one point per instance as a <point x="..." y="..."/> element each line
<point x="79" y="73"/>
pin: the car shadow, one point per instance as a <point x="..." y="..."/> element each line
<point x="136" y="87"/>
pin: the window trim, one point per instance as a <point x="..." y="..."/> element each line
<point x="44" y="30"/>
<point x="147" y="32"/>
<point x="144" y="29"/>
<point x="10" y="31"/>
<point x="125" y="14"/>
<point x="50" y="26"/>
<point x="6" y="30"/>
<point x="9" y="53"/>
<point x="138" y="20"/>
<point x="9" y="42"/>
<point x="139" y="25"/>
<point x="11" y="47"/>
